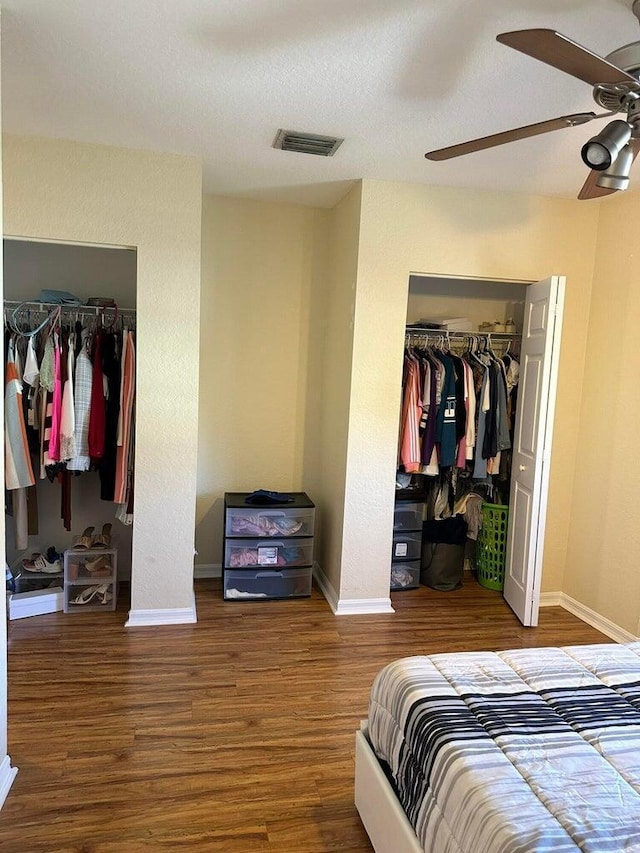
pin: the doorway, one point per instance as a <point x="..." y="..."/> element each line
<point x="36" y="274"/>
<point x="446" y="311"/>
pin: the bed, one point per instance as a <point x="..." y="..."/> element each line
<point x="504" y="752"/>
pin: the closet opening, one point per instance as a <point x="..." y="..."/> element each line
<point x="70" y="325"/>
<point x="460" y="380"/>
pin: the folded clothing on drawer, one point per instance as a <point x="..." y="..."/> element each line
<point x="263" y="497"/>
<point x="265" y="525"/>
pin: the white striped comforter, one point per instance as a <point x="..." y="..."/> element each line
<point x="515" y="752"/>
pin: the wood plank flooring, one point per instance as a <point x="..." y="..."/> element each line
<point x="232" y="735"/>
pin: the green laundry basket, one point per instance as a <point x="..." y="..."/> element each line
<point x="492" y="546"/>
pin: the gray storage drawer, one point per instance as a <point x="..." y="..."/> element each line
<point x="405" y="575"/>
<point x="269" y="523"/>
<point x="407" y="515"/>
<point x="407" y="546"/>
<point x="262" y="583"/>
<point x="269" y="554"/>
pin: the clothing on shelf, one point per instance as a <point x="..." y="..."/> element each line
<point x="71" y="408"/>
<point x="458" y="408"/>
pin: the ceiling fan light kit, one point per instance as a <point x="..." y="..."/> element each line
<point x="601" y="151"/>
<point x="616" y="177"/>
<point x="615" y="80"/>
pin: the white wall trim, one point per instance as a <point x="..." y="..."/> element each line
<point x="325" y="586"/>
<point x="207" y="570"/>
<point x="361" y="606"/>
<point x="591" y="617"/>
<point x="349" y="606"/>
<point x="7" y="775"/>
<point x="167" y="616"/>
<point x="550" y="599"/>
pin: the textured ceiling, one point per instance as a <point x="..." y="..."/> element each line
<point x="394" y="77"/>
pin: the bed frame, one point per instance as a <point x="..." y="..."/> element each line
<point x="380" y="811"/>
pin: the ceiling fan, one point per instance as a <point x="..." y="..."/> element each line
<point x="616" y="88"/>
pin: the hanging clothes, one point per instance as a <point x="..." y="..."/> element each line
<point x="68" y="420"/>
<point x="97" y="415"/>
<point x="463" y="405"/>
<point x="127" y="390"/>
<point x="70" y="416"/>
<point x="82" y="407"/>
<point x="411" y="413"/>
<point x="18" y="469"/>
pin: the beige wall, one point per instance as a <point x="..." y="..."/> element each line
<point x="604" y="541"/>
<point x="336" y="385"/>
<point x="263" y="274"/>
<point x="55" y="189"/>
<point x="7" y="773"/>
<point x="409" y="228"/>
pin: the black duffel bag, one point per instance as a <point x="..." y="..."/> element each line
<point x="443" y="546"/>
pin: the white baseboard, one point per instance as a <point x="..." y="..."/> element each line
<point x="168" y="616"/>
<point x="591" y="617"/>
<point x="550" y="599"/>
<point x="207" y="570"/>
<point x="7" y="775"/>
<point x="349" y="606"/>
<point x="362" y="606"/>
<point x="325" y="586"/>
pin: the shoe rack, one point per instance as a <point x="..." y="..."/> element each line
<point x="90" y="579"/>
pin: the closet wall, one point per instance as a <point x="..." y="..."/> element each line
<point x="407" y="229"/>
<point x="79" y="193"/>
<point x="603" y="554"/>
<point x="85" y="271"/>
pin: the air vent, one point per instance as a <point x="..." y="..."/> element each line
<point x="307" y="143"/>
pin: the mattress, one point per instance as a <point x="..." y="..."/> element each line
<point x="517" y="751"/>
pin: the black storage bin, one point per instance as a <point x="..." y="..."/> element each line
<point x="443" y="547"/>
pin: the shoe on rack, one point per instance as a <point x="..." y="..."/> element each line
<point x="104" y="594"/>
<point x="39" y="563"/>
<point x="102" y="540"/>
<point x="97" y="564"/>
<point x="86" y="595"/>
<point x="83" y="542"/>
<point x="102" y="573"/>
<point x="52" y="555"/>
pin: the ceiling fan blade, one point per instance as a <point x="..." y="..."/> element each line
<point x="566" y="55"/>
<point x="590" y="188"/>
<point x="509" y="136"/>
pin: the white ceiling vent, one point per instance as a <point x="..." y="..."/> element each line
<point x="307" y="143"/>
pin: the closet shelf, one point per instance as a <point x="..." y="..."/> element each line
<point x="47" y="307"/>
<point x="438" y="333"/>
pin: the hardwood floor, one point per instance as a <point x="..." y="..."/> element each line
<point x="235" y="734"/>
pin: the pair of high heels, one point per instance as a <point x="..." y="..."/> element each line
<point x="100" y="592"/>
<point x="86" y="541"/>
<point x="99" y="566"/>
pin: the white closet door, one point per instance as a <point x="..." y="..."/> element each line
<point x="532" y="447"/>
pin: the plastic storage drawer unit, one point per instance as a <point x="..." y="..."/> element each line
<point x="267" y="549"/>
<point x="284" y="583"/>
<point x="90" y="580"/>
<point x="276" y="553"/>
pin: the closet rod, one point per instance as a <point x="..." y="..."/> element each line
<point x="47" y="307"/>
<point x="439" y="333"/>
